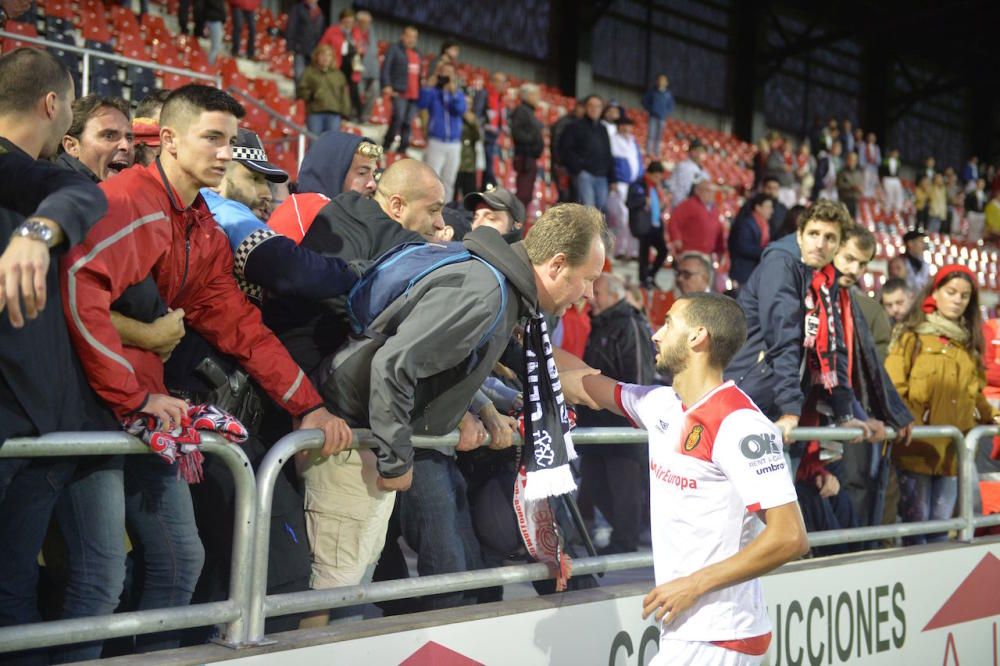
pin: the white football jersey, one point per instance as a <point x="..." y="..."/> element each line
<point x="712" y="467"/>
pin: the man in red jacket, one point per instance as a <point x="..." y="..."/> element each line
<point x="158" y="224"/>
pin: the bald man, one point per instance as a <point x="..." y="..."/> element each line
<point x="612" y="475"/>
<point x="406" y="207"/>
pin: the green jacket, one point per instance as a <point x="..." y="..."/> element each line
<point x="324" y="91"/>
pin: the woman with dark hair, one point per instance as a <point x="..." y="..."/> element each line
<point x="936" y="363"/>
<point x="749" y="236"/>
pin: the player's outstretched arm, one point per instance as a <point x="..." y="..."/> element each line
<point x="587" y="386"/>
<point x="783" y="540"/>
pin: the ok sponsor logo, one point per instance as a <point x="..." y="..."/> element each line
<point x="754" y="447"/>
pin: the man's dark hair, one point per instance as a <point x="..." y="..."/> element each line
<point x="152" y="103"/>
<point x="447" y="45"/>
<point x="27" y="75"/>
<point x="825" y="210"/>
<point x="724" y="320"/>
<point x="892" y="285"/>
<point x="759" y="199"/>
<point x="656" y="166"/>
<point x="864" y="238"/>
<point x="195" y="97"/>
<point x="346" y="13"/>
<point x="592" y="96"/>
<point x="771" y="179"/>
<point x="84" y="109"/>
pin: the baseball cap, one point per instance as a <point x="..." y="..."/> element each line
<point x="497" y="198"/>
<point x="913" y="234"/>
<point x="249" y="152"/>
<point x="146" y="131"/>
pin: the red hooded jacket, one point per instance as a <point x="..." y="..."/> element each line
<point x="148" y="231"/>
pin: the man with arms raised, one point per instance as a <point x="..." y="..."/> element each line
<point x="723" y="507"/>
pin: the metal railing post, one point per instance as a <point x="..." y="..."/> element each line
<point x="267" y="474"/>
<point x="232" y="611"/>
<point x="973" y="521"/>
<point x="85" y="82"/>
<point x="244" y="522"/>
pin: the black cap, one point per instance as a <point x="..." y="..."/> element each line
<point x="913" y="234"/>
<point x="249" y="152"/>
<point x="498" y="199"/>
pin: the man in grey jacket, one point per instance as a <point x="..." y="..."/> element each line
<point x="422" y="379"/>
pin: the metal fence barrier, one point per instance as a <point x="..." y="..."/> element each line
<point x="248" y="605"/>
<point x="269" y="606"/>
<point x="232" y="612"/>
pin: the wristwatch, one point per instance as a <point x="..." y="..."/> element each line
<point x="35" y="230"/>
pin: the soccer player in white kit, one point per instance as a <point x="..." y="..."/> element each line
<point x="723" y="507"/>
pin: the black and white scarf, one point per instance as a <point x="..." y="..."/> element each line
<point x="543" y="463"/>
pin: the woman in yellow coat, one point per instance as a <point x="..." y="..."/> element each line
<point x="936" y="363"/>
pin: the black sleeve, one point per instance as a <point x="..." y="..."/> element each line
<point x="521" y="126"/>
<point x="743" y="242"/>
<point x="34" y="187"/>
<point x="286" y="269"/>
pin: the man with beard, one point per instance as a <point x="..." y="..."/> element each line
<point x="98" y="143"/>
<point x="719" y="487"/>
<point x="866" y="473"/>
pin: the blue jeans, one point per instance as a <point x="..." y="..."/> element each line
<point x="491" y="149"/>
<point x="321" y="123"/>
<point x="591" y="190"/>
<point x="403" y="111"/>
<point x="91" y="513"/>
<point x="28" y="493"/>
<point x="926" y="497"/>
<point x="160" y="518"/>
<point x="240" y="15"/>
<point x="655" y="135"/>
<point x="215" y="30"/>
<point x="436" y="522"/>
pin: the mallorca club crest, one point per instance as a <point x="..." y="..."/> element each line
<point x="693" y="438"/>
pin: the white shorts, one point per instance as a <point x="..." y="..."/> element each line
<point x="690" y="653"/>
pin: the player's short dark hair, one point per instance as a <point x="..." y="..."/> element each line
<point x="724" y="320"/>
<point x="152" y="103"/>
<point x="893" y="285"/>
<point x="27" y="75"/>
<point x="85" y="107"/>
<point x="197" y="98"/>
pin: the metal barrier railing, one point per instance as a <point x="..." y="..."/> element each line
<point x="87" y="54"/>
<point x="263" y="606"/>
<point x="232" y="612"/>
<point x="248" y="605"/>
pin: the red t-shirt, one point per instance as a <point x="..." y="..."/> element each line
<point x="412" y="74"/>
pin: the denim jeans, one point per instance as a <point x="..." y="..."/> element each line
<point x="655" y="136"/>
<point x="491" y="149"/>
<point x="240" y="15"/>
<point x="91" y="513"/>
<point x="591" y="190"/>
<point x="321" y="123"/>
<point x="403" y="111"/>
<point x="926" y="497"/>
<point x="436" y="523"/>
<point x="215" y="30"/>
<point x="160" y="518"/>
<point x="28" y="493"/>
